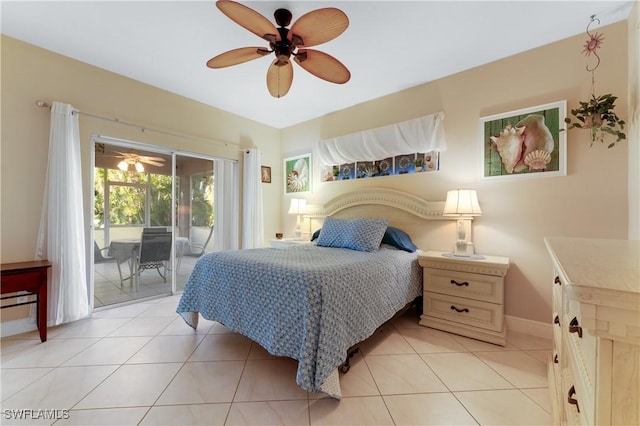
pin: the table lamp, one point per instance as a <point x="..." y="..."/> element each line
<point x="463" y="204"/>
<point x="298" y="207"/>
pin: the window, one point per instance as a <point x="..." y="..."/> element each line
<point x="123" y="196"/>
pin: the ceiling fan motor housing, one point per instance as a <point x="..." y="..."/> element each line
<point x="283" y="48"/>
<point x="283" y="17"/>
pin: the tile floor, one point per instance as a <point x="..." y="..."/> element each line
<point x="141" y="364"/>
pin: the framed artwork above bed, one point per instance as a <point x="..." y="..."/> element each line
<point x="297" y="174"/>
<point x="529" y="142"/>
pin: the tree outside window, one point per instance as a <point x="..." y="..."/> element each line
<point x="202" y="200"/>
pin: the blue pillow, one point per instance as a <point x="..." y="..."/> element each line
<point x="398" y="238"/>
<point x="315" y="235"/>
<point x="354" y="234"/>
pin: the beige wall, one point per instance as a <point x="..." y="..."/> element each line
<point x="30" y="73"/>
<point x="590" y="201"/>
<point x="634" y="121"/>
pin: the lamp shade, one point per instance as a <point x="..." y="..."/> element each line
<point x="462" y="202"/>
<point x="297" y="206"/>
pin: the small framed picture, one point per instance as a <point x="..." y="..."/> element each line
<point x="529" y="142"/>
<point x="297" y="174"/>
<point x="265" y="172"/>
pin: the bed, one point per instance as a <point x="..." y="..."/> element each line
<point x="313" y="302"/>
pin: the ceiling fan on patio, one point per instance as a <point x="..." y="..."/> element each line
<point x="132" y="159"/>
<point x="313" y="28"/>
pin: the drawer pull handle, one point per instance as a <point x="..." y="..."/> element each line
<point x="574" y="327"/>
<point x="556" y="320"/>
<point x="571" y="400"/>
<point x="464" y="283"/>
<point x="459" y="310"/>
<point x="557" y="281"/>
<point x="555" y="359"/>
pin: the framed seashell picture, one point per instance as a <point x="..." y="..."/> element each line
<point x="529" y="142"/>
<point x="297" y="174"/>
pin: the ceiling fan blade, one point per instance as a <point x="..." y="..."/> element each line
<point x="153" y="163"/>
<point x="237" y="56"/>
<point x="279" y="78"/>
<point x="248" y="18"/>
<point x="323" y="66"/>
<point x="319" y="26"/>
<point x="146" y="157"/>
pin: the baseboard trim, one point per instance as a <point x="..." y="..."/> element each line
<point x="11" y="328"/>
<point x="533" y="328"/>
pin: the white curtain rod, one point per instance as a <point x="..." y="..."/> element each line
<point x="44" y="104"/>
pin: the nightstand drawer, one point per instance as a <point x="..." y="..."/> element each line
<point x="487" y="288"/>
<point x="464" y="311"/>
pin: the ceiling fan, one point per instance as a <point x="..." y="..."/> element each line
<point x="136" y="160"/>
<point x="313" y="28"/>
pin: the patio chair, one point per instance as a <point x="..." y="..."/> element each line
<point x="99" y="258"/>
<point x="155" y="252"/>
<point x="155" y="229"/>
<point x="197" y="250"/>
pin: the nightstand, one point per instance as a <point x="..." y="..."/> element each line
<point x="465" y="295"/>
<point x="288" y="242"/>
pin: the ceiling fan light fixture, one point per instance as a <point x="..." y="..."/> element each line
<point x="123" y="165"/>
<point x="139" y="167"/>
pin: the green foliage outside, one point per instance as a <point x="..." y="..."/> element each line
<point x="127" y="198"/>
<point x="202" y="200"/>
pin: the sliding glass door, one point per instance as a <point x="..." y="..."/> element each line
<point x="195" y="197"/>
<point x="133" y="193"/>
<point x="153" y="218"/>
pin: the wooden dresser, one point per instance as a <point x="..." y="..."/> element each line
<point x="594" y="371"/>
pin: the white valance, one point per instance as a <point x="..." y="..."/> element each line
<point x="419" y="135"/>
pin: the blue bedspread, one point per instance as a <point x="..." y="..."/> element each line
<point x="305" y="302"/>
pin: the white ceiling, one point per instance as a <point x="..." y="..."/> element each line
<point x="389" y="45"/>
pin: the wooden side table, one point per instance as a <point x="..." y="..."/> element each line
<point x="465" y="295"/>
<point x="32" y="278"/>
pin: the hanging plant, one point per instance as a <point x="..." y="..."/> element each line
<point x="598" y="113"/>
<point x="599" y="117"/>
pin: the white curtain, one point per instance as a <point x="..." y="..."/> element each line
<point x="252" y="222"/>
<point x="419" y="135"/>
<point x="61" y="237"/>
<point x="225" y="235"/>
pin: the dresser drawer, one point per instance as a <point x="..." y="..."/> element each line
<point x="572" y="397"/>
<point x="581" y="352"/>
<point x="557" y="332"/>
<point x="557" y="294"/>
<point x="464" y="311"/>
<point x="487" y="288"/>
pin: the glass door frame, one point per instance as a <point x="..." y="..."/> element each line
<point x="128" y="144"/>
<point x="125" y="144"/>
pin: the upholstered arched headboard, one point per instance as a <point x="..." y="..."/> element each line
<point x="421" y="219"/>
<point x="386" y="197"/>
